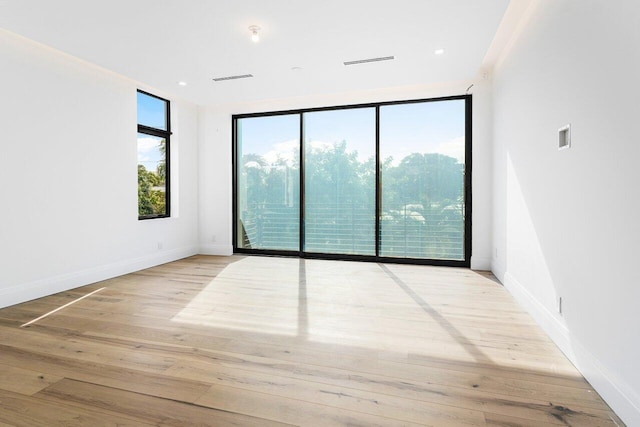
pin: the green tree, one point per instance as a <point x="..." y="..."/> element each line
<point x="421" y="208"/>
<point x="162" y="165"/>
<point x="151" y="198"/>
<point x="339" y="200"/>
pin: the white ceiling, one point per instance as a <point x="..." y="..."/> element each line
<point x="162" y="42"/>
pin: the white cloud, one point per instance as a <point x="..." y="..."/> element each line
<point x="146" y="145"/>
<point x="453" y="148"/>
<point x="286" y="150"/>
<point x="148" y="152"/>
<point x="320" y="145"/>
<point x="289" y="150"/>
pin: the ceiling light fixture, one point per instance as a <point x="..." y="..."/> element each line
<point x="182" y="83"/>
<point x="439" y="51"/>
<point x="255" y="37"/>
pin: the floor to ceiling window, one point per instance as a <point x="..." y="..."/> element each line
<point x="340" y="181"/>
<point x="422" y="151"/>
<point x="387" y="181"/>
<point x="268" y="182"/>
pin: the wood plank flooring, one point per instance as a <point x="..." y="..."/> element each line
<point x="260" y="341"/>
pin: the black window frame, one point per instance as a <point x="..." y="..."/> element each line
<point x="466" y="262"/>
<point x="166" y="135"/>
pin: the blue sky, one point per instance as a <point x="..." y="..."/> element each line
<point x="430" y="127"/>
<point x="151" y="112"/>
<point x="149" y="154"/>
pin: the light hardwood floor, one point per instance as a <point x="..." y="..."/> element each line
<point x="259" y="341"/>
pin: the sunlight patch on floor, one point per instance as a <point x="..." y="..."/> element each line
<point x="334" y="302"/>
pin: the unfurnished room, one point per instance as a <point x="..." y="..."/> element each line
<point x="336" y="213"/>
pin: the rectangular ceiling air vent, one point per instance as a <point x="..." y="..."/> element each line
<point x="240" y="76"/>
<point x="364" y="61"/>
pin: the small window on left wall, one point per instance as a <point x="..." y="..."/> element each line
<point x="153" y="156"/>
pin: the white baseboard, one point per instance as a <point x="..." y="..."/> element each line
<point x="480" y="263"/>
<point x="37" y="289"/>
<point x="224" y="250"/>
<point x="498" y="269"/>
<point x="554" y="327"/>
<point x="613" y="389"/>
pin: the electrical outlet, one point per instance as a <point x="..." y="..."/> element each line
<point x="560" y="305"/>
<point x="495" y="253"/>
<point x="159" y="246"/>
<point x="564" y="137"/>
<point x="213" y="237"/>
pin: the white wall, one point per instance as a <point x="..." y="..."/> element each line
<point x="215" y="182"/>
<point x="215" y="158"/>
<point x="566" y="222"/>
<point x="68" y="182"/>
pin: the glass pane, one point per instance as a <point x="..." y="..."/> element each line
<point x="152" y="111"/>
<point x="151" y="175"/>
<point x="339" y="181"/>
<point x="268" y="182"/>
<point x="422" y="149"/>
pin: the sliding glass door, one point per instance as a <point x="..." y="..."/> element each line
<point x="268" y="183"/>
<point x="422" y="147"/>
<point x="386" y="181"/>
<point x="340" y="181"/>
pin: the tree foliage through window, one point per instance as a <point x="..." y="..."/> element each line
<point x="421" y="187"/>
<point x="153" y="159"/>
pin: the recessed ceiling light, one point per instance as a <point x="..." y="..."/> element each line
<point x="439" y="51"/>
<point x="255" y="37"/>
<point x="296" y="68"/>
<point x="182" y="83"/>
